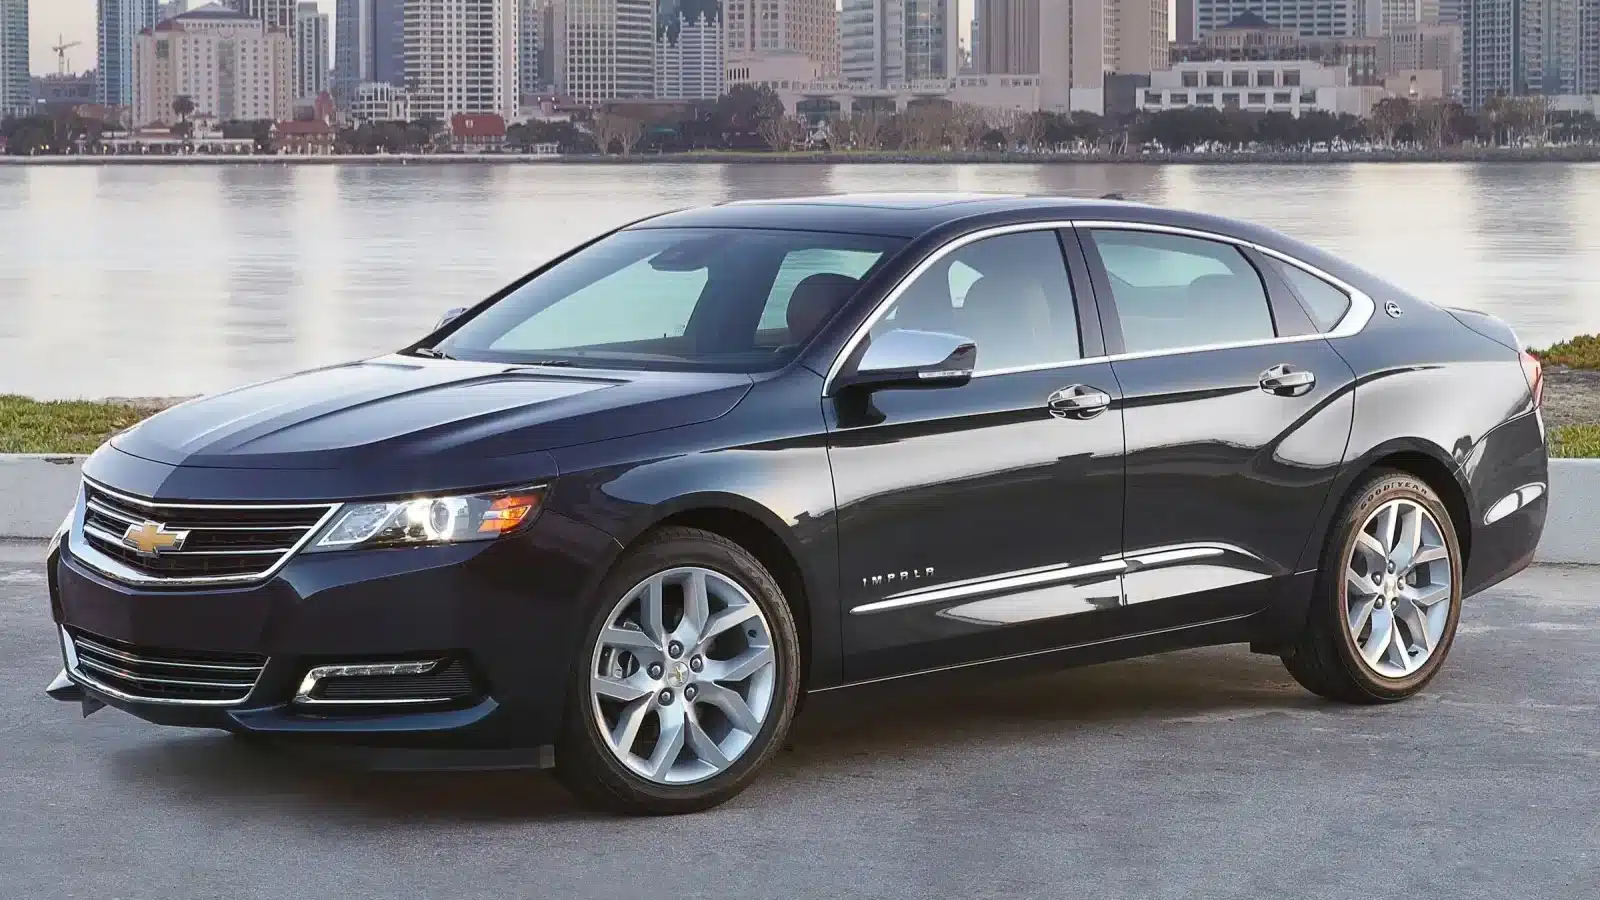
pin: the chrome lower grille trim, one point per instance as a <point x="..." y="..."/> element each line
<point x="170" y="677"/>
<point x="221" y="543"/>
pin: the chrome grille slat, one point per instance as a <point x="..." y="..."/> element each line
<point x="223" y="543"/>
<point x="151" y="675"/>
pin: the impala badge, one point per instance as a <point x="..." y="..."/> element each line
<point x="893" y="578"/>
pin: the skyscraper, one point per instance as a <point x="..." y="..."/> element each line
<point x="461" y="57"/>
<point x="530" y="18"/>
<point x="1588" y="47"/>
<point x="120" y="21"/>
<point x="1502" y="48"/>
<point x="369" y="45"/>
<point x="16" y="89"/>
<point x="810" y="27"/>
<point x="689" y="59"/>
<point x="170" y="8"/>
<point x="310" y="49"/>
<point x="606" y="49"/>
<point x="274" y="13"/>
<point x="1307" y="18"/>
<point x="1010" y="43"/>
<point x="884" y="42"/>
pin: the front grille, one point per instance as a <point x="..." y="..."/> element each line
<point x="223" y="542"/>
<point x="450" y="682"/>
<point x="169" y="676"/>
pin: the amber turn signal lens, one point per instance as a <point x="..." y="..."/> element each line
<point x="507" y="512"/>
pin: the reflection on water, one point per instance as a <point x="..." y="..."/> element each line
<point x="175" y="280"/>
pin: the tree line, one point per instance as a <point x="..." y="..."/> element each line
<point x="754" y="119"/>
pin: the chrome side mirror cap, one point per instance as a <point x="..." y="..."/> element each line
<point x="909" y="358"/>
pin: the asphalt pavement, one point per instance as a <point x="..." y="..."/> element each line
<point x="1196" y="774"/>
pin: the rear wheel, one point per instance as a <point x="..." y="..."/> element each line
<point x="687" y="680"/>
<point x="1388" y="597"/>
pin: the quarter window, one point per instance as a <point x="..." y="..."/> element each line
<point x="1010" y="294"/>
<point x="1173" y="291"/>
<point x="1326" y="303"/>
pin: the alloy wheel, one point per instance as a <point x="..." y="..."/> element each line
<point x="1398" y="588"/>
<point x="682" y="676"/>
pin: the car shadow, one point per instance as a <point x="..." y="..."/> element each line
<point x="837" y="732"/>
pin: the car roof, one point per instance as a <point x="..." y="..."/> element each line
<point x="911" y="215"/>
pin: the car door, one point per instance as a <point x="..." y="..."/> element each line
<point x="975" y="521"/>
<point x="1236" y="413"/>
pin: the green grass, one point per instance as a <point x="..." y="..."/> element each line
<point x="62" y="426"/>
<point x="1581" y="352"/>
<point x="1575" y="442"/>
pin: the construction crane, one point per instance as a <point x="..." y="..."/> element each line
<point x="61" y="47"/>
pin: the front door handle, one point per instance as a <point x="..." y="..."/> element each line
<point x="1078" y="402"/>
<point x="1287" y="381"/>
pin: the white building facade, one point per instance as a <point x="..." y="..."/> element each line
<point x="1307" y="18"/>
<point x="690" y="64"/>
<point x="606" y="49"/>
<point x="231" y="66"/>
<point x="119" y="23"/>
<point x="1289" y="86"/>
<point x="461" y="57"/>
<point x="380" y="101"/>
<point x="884" y="42"/>
<point x="311" y="50"/>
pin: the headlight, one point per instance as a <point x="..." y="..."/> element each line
<point x="431" y="520"/>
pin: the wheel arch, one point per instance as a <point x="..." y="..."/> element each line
<point x="1422" y="459"/>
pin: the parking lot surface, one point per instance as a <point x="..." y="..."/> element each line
<point x="1197" y="774"/>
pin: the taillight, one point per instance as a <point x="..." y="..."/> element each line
<point x="1534" y="369"/>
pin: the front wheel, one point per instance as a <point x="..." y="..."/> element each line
<point x="687" y="679"/>
<point x="1388" y="596"/>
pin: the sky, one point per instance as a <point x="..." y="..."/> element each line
<point x="73" y="20"/>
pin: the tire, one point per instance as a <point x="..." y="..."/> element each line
<point x="1327" y="658"/>
<point x="614" y="773"/>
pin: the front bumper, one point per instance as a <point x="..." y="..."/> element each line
<point x="507" y="613"/>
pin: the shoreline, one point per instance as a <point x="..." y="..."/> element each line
<point x="1565" y="154"/>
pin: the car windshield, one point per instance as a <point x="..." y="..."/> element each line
<point x="718" y="299"/>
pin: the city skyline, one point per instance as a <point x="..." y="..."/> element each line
<point x="74" y="20"/>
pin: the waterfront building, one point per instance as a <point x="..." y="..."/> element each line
<point x="16" y="86"/>
<point x="1588" y="66"/>
<point x="272" y="13"/>
<point x="461" y="57"/>
<point x="1522" y="47"/>
<point x="761" y="28"/>
<point x="380" y="101"/>
<point x="369" y="45"/>
<point x="530" y="19"/>
<point x="689" y="60"/>
<point x="229" y="64"/>
<point x="606" y="49"/>
<point x="1010" y="44"/>
<point x="1425" y="48"/>
<point x="64" y="90"/>
<point x="119" y="23"/>
<point x="1307" y="18"/>
<point x="1073" y="63"/>
<point x="310" y="50"/>
<point x="1289" y="86"/>
<point x="1249" y="38"/>
<point x="883" y="42"/>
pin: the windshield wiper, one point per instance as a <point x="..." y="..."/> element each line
<point x="553" y="363"/>
<point x="432" y="353"/>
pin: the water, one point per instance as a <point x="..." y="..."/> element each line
<point x="146" y="281"/>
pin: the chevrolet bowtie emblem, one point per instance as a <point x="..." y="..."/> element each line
<point x="151" y="538"/>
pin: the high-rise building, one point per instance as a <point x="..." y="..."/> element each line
<point x="461" y="57"/>
<point x="16" y="87"/>
<point x="170" y="8"/>
<point x="1502" y="49"/>
<point x="1423" y="47"/>
<point x="274" y="13"/>
<point x="689" y="60"/>
<point x="1588" y="47"/>
<point x="229" y="64"/>
<point x="530" y="18"/>
<point x="1184" y="9"/>
<point x="883" y="42"/>
<point x="369" y="45"/>
<point x="1010" y="31"/>
<point x="310" y="50"/>
<point x="120" y="21"/>
<point x="1399" y="14"/>
<point x="1307" y="18"/>
<point x="606" y="49"/>
<point x="1561" y="52"/>
<point x="755" y="28"/>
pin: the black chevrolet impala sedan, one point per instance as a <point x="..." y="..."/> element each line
<point x="621" y="517"/>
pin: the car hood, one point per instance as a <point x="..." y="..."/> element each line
<point x="403" y="411"/>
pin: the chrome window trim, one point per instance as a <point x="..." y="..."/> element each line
<point x="1362" y="307"/>
<point x="112" y="568"/>
<point x="69" y="655"/>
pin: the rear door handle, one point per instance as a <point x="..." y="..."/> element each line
<point x="1287" y="381"/>
<point x="1078" y="402"/>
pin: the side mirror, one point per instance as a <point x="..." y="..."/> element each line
<point x="450" y="315"/>
<point x="906" y="358"/>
